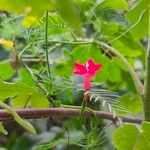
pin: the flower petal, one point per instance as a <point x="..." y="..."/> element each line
<point x="92" y="68"/>
<point x="80" y="69"/>
<point x="98" y="66"/>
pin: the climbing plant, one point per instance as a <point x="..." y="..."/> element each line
<point x="88" y="60"/>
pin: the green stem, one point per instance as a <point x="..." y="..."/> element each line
<point x="80" y="107"/>
<point x="83" y="106"/>
<point x="84" y="103"/>
<point x="146" y="92"/>
<point x="137" y="82"/>
<point x="46" y="44"/>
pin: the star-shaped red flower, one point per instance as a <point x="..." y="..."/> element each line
<point x="88" y="70"/>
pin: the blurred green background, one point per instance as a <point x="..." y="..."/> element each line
<point x="73" y="27"/>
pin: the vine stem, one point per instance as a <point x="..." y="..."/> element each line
<point x="84" y="104"/>
<point x="146" y="91"/>
<point x="32" y="113"/>
<point x="46" y="43"/>
<point x="137" y="82"/>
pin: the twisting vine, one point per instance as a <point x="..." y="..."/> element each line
<point x="146" y="92"/>
<point x="137" y="82"/>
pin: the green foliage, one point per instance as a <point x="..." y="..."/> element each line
<point x="6" y="70"/>
<point x="55" y="26"/>
<point x="82" y="52"/>
<point x="31" y="7"/>
<point x="125" y="137"/>
<point x="74" y="140"/>
<point x="22" y="94"/>
<point x="67" y="11"/>
<point x="92" y="139"/>
<point x="130" y="137"/>
<point x="134" y="13"/>
<point x="109" y="99"/>
<point x="25" y="77"/>
<point x="74" y="27"/>
<point x="116" y="4"/>
<point x="132" y="102"/>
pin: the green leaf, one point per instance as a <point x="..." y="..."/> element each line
<point x="68" y="13"/>
<point x="85" y="4"/>
<point x="132" y="102"/>
<point x="21" y="93"/>
<point x="21" y="100"/>
<point x="146" y="133"/>
<point x="61" y="68"/>
<point x="133" y="16"/>
<point x="2" y="129"/>
<point x="115" y="71"/>
<point x="13" y="89"/>
<point x="111" y="29"/>
<point x="125" y="43"/>
<point x="56" y="25"/>
<point x="6" y="70"/>
<point x="129" y="137"/>
<point x="25" y="77"/>
<point x="128" y="47"/>
<point x="30" y="22"/>
<point x="146" y="126"/>
<point x="83" y="52"/>
<point x="34" y="7"/>
<point x="38" y="100"/>
<point x="124" y="137"/>
<point x="115" y="4"/>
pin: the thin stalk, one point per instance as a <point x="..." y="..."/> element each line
<point x="46" y="44"/>
<point x="73" y="42"/>
<point x="27" y="101"/>
<point x="146" y="92"/>
<point x="84" y="104"/>
<point x="79" y="107"/>
<point x="137" y="82"/>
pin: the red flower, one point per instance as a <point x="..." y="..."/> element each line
<point x="88" y="70"/>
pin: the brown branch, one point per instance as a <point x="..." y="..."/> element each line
<point x="30" y="113"/>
